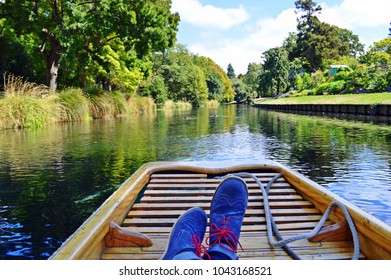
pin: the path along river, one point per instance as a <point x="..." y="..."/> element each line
<point x="52" y="179"/>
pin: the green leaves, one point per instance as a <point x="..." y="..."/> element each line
<point x="88" y="32"/>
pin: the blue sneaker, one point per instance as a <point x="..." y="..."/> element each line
<point x="186" y="236"/>
<point x="227" y="210"/>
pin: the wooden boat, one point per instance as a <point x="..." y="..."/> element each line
<point x="136" y="220"/>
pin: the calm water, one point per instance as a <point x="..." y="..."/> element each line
<point x="52" y="179"/>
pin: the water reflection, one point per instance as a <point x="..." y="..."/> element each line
<point x="52" y="179"/>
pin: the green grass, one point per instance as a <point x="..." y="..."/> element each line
<point x="28" y="105"/>
<point x="75" y="105"/>
<point x="29" y="112"/>
<point x="363" y="99"/>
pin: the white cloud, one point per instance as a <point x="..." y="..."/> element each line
<point x="209" y="16"/>
<point x="265" y="34"/>
<point x="358" y="13"/>
<point x="370" y="20"/>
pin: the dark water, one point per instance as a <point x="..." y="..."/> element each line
<point x="52" y="179"/>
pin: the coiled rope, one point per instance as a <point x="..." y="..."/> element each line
<point x="272" y="227"/>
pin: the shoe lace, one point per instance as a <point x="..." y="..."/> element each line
<point x="225" y="236"/>
<point x="199" y="248"/>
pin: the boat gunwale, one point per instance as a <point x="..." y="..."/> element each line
<point x="91" y="233"/>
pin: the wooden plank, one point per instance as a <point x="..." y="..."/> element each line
<point x="203" y="198"/>
<point x="249" y="212"/>
<point x="206" y="205"/>
<point x="185" y="192"/>
<point x="255" y="228"/>
<point x="204" y="181"/>
<point x="247" y="220"/>
<point x="255" y="246"/>
<point x="167" y="176"/>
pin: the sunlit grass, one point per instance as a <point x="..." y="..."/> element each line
<point x="27" y="105"/>
<point x="367" y="99"/>
<point x="74" y="104"/>
<point x="211" y="104"/>
<point x="29" y="112"/>
<point x="179" y="105"/>
<point x="18" y="86"/>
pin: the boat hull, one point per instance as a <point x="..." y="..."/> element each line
<point x="150" y="201"/>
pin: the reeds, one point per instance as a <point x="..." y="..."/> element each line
<point x="179" y="105"/>
<point x="17" y="86"/>
<point x="28" y="105"/>
<point x="75" y="105"/>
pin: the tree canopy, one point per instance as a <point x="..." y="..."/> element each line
<point x="84" y="35"/>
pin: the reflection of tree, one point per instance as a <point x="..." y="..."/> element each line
<point x="320" y="142"/>
<point x="57" y="177"/>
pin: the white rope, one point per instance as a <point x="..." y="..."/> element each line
<point x="272" y="227"/>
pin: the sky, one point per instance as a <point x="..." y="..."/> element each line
<point x="239" y="31"/>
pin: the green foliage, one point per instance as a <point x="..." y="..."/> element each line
<point x="298" y="83"/>
<point x="334" y="87"/>
<point x="251" y="78"/>
<point x="307" y="81"/>
<point x="231" y="72"/>
<point x="317" y="78"/>
<point x="218" y="82"/>
<point x="240" y="89"/>
<point x="155" y="88"/>
<point x="189" y="78"/>
<point x="275" y="70"/>
<point x="379" y="53"/>
<point x="107" y="39"/>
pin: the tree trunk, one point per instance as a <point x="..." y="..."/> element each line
<point x="52" y="58"/>
<point x="52" y="65"/>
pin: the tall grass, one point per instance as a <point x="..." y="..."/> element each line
<point x="137" y="103"/>
<point x="211" y="104"/>
<point x="107" y="105"/>
<point x="17" y="86"/>
<point x="24" y="104"/>
<point x="75" y="105"/>
<point x="29" y="112"/>
<point x="179" y="105"/>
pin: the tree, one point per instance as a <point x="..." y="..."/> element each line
<point x="275" y="70"/>
<point x="354" y="47"/>
<point x="379" y="53"/>
<point x="251" y="78"/>
<point x="78" y="31"/>
<point x="231" y="72"/>
<point x="307" y="21"/>
<point x="219" y="85"/>
<point x="185" y="81"/>
<point x="307" y="39"/>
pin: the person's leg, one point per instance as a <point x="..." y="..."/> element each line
<point x="228" y="206"/>
<point x="186" y="236"/>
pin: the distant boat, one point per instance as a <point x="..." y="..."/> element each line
<point x="136" y="220"/>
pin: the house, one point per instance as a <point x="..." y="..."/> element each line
<point x="333" y="69"/>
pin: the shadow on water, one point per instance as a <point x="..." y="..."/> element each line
<point x="52" y="179"/>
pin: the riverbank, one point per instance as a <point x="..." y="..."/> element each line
<point x="351" y="99"/>
<point x="375" y="104"/>
<point x="35" y="109"/>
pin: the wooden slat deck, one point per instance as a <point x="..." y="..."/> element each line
<point x="167" y="196"/>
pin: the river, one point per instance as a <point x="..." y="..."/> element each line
<point x="52" y="179"/>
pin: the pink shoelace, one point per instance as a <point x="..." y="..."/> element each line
<point x="225" y="237"/>
<point x="200" y="249"/>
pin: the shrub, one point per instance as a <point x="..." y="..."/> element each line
<point x="333" y="87"/>
<point x="75" y="105"/>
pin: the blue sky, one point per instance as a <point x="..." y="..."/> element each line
<point x="239" y="31"/>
